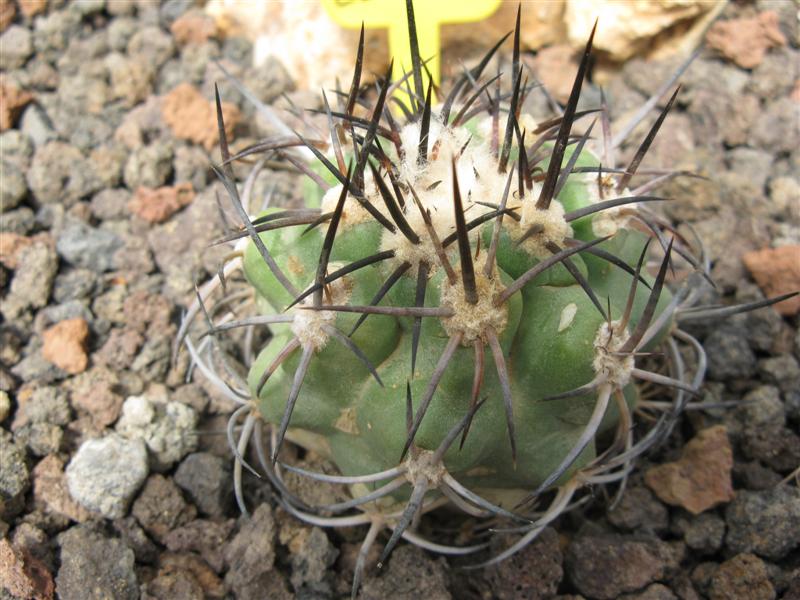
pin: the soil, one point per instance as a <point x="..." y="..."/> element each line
<point x="108" y="211"/>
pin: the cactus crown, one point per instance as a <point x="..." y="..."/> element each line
<point x="459" y="235"/>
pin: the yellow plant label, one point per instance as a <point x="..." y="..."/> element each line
<point x="428" y="15"/>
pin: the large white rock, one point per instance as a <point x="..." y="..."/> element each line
<point x="106" y="473"/>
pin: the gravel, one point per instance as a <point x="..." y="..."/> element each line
<point x="162" y="521"/>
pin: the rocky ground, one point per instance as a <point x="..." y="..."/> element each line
<point x="115" y="476"/>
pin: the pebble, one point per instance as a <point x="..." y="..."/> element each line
<point x="782" y="370"/>
<point x="729" y="355"/>
<point x="204" y="536"/>
<point x="250" y="555"/>
<point x="19" y="221"/>
<point x="95" y="393"/>
<point x="533" y="572"/>
<point x="767" y="132"/>
<point x="88" y="247"/>
<point x="64" y="345"/>
<point x="191" y="165"/>
<point x="33" y="280"/>
<point x="160" y="507"/>
<point x="136" y="539"/>
<point x="766" y="522"/>
<point x="60" y="173"/>
<point x="74" y="284"/>
<point x="743" y="577"/>
<point x="37" y="125"/>
<point x="149" y="166"/>
<point x="410" y="575"/>
<point x="16" y="148"/>
<point x="703" y="533"/>
<point x="761" y="424"/>
<point x="17" y="43"/>
<point x="14" y="476"/>
<point x="654" y="591"/>
<point x="14" y="188"/>
<point x="701" y="478"/>
<point x="639" y="509"/>
<point x="168" y="428"/>
<point x="152" y="45"/>
<point x="88" y="556"/>
<point x="105" y="473"/>
<point x="207" y="480"/>
<point x="606" y="566"/>
<point x="182" y="574"/>
<point x="109" y="161"/>
<point x="312" y="558"/>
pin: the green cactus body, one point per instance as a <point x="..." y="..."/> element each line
<point x="547" y="331"/>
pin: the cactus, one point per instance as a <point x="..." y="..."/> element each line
<point x="461" y="314"/>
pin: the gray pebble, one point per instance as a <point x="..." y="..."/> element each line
<point x="534" y="572"/>
<point x="36" y="124"/>
<point x="149" y="166"/>
<point x="95" y="567"/>
<point x="87" y="8"/>
<point x="14" y="188"/>
<point x="771" y="78"/>
<point x="20" y="220"/>
<point x="88" y="247"/>
<point x="172" y="9"/>
<point x="74" y="284"/>
<point x="770" y="130"/>
<point x="40" y="439"/>
<point x="16" y="148"/>
<point x="639" y="509"/>
<point x="704" y="533"/>
<point x="160" y="508"/>
<point x="17" y="44"/>
<point x="207" y="480"/>
<point x="751" y="165"/>
<point x="14" y="476"/>
<point x="120" y="31"/>
<point x="766" y="523"/>
<point x="33" y="278"/>
<point x="111" y="204"/>
<point x="105" y="473"/>
<point x="250" y="555"/>
<point x="47" y="404"/>
<point x="191" y="164"/>
<point x="153" y="45"/>
<point x="60" y="173"/>
<point x="168" y="428"/>
<point x="782" y="371"/>
<point x="136" y="539"/>
<point x="729" y="355"/>
<point x="411" y="574"/>
<point x="53" y="31"/>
